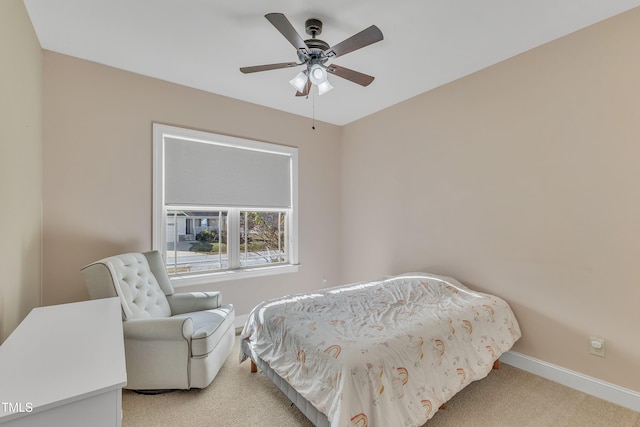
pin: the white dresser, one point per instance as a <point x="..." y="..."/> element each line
<point x="64" y="365"/>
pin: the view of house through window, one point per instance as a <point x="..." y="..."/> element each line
<point x="197" y="241"/>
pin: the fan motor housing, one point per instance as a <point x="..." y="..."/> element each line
<point x="317" y="44"/>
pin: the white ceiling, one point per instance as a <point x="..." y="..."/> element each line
<point x="202" y="43"/>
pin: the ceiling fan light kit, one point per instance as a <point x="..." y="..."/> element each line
<point x="313" y="53"/>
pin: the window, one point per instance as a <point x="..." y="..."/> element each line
<point x="223" y="207"/>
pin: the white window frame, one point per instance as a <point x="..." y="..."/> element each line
<point x="159" y="224"/>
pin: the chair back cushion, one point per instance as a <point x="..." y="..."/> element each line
<point x="134" y="283"/>
<point x="159" y="270"/>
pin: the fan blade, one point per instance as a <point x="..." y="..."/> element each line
<point x="363" y="38"/>
<point x="354" y="76"/>
<point x="306" y="89"/>
<point x="267" y="67"/>
<point x="283" y="25"/>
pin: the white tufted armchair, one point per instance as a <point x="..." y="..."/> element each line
<point x="172" y="340"/>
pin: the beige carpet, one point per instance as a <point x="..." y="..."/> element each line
<point x="508" y="397"/>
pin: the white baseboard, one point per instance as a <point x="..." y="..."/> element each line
<point x="592" y="386"/>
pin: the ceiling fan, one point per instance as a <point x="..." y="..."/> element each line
<point x="315" y="52"/>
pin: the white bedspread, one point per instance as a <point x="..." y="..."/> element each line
<point x="385" y="353"/>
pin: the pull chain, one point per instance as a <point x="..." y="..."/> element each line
<point x="313" y="103"/>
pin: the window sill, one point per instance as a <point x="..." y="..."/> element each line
<point x="179" y="281"/>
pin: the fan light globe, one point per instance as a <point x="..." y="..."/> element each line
<point x="317" y="74"/>
<point x="299" y="81"/>
<point x="324" y="87"/>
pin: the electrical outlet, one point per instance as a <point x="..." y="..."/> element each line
<point x="596" y="346"/>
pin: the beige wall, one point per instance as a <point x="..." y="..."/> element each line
<point x="97" y="173"/>
<point x="20" y="165"/>
<point x="522" y="180"/>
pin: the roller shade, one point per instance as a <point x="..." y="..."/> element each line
<point x="209" y="174"/>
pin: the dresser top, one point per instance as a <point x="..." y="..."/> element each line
<point x="62" y="353"/>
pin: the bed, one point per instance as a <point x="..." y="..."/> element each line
<point x="383" y="353"/>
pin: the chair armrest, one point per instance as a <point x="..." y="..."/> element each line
<point x="188" y="302"/>
<point x="158" y="329"/>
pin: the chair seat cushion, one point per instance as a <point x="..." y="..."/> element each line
<point x="209" y="327"/>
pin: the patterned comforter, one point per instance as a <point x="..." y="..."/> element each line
<point x="383" y="353"/>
